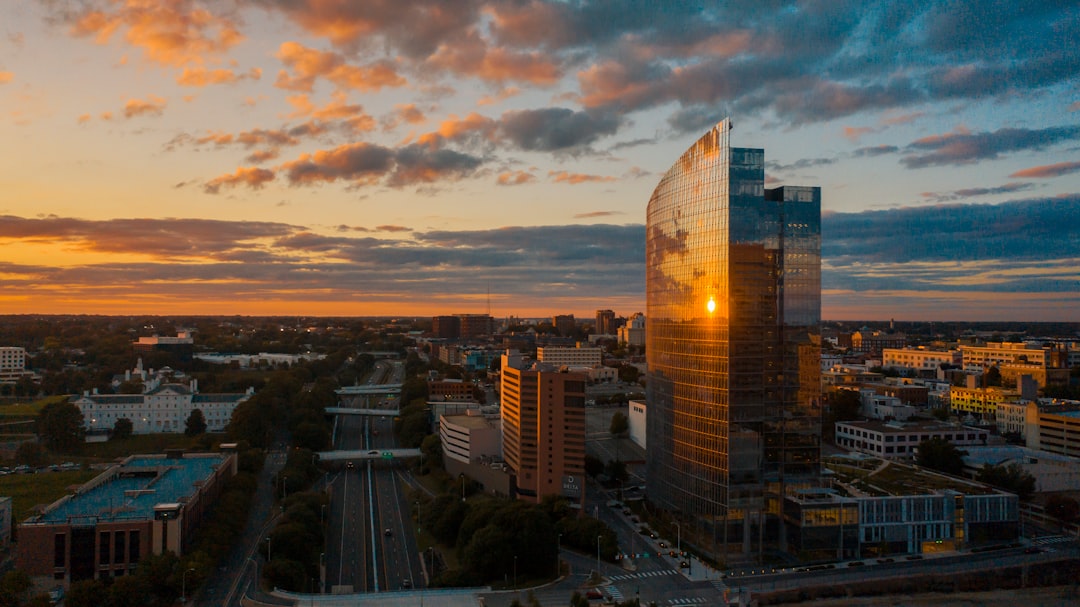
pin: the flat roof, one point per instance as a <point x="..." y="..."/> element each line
<point x="132" y="490"/>
<point x="915" y="426"/>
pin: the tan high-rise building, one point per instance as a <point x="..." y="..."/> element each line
<point x="543" y="416"/>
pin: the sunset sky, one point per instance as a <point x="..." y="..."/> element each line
<point x="348" y="157"/>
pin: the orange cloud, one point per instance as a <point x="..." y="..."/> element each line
<point x="610" y="83"/>
<point x="474" y="57"/>
<point x="1048" y="170"/>
<point x="153" y="106"/>
<point x="515" y="178"/>
<point x="576" y="178"/>
<point x="453" y="128"/>
<point x="853" y="133"/>
<point x="84" y="118"/>
<point x="252" y="177"/>
<point x="351" y="115"/>
<point x="6" y="77"/>
<point x="504" y="94"/>
<point x="199" y="76"/>
<point x="308" y="64"/>
<point x="169" y="32"/>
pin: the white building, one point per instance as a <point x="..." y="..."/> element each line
<point x="877" y="406"/>
<point x="1052" y="471"/>
<point x="898" y="440"/>
<point x="636" y="419"/>
<point x="245" y="361"/>
<point x="164" y="409"/>
<point x="570" y="357"/>
<point x="12" y="364"/>
<point x="470" y="437"/>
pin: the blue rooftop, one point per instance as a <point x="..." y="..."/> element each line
<point x="132" y="490"/>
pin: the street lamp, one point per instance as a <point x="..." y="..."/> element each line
<point x="598" y="555"/>
<point x="183" y="585"/>
<point x="558" y="549"/>
<point x="418" y="519"/>
<point x="269" y="555"/>
<point x="679" y="545"/>
<point x="462" y="486"/>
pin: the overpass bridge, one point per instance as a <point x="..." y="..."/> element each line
<point x="366" y="454"/>
<point x="357" y="411"/>
<point x="359" y="396"/>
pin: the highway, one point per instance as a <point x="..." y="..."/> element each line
<point x="370" y="544"/>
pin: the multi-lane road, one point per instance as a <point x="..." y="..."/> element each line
<point x="370" y="542"/>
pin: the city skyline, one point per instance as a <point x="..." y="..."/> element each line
<point x="303" y="157"/>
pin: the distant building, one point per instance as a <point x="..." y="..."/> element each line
<point x="182" y="346"/>
<point x="543" y="416"/>
<point x="919" y="359"/>
<point x="446" y="327"/>
<point x="147" y="505"/>
<point x="1046" y="365"/>
<point x="605" y="322"/>
<point x="633" y="332"/>
<point x="564" y="324"/>
<point x="462" y="326"/>
<point x="451" y="390"/>
<point x="874" y="343"/>
<point x="163" y="409"/>
<point x="580" y="356"/>
<point x="12" y="364"/>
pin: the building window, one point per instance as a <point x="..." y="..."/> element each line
<point x="59" y="550"/>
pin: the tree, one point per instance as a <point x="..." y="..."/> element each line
<point x="60" y="426"/>
<point x="845" y="405"/>
<point x="1012" y="478"/>
<point x="30" y="453"/>
<point x="122" y="429"/>
<point x="196" y="423"/>
<point x="993" y="376"/>
<point x="941" y="455"/>
<point x="1063" y="508"/>
<point x="620" y="425"/>
<point x="14" y="586"/>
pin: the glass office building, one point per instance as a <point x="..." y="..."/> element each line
<point x="733" y="284"/>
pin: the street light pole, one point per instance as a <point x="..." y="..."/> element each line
<point x="418" y="517"/>
<point x="183" y="586"/>
<point x="515" y="572"/>
<point x="558" y="550"/>
<point x="598" y="555"/>
<point x="678" y="528"/>
<point x="462" y="486"/>
<point x="269" y="554"/>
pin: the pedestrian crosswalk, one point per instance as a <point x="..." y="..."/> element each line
<point x="1051" y="539"/>
<point x="641" y="574"/>
<point x="685" y="602"/>
<point x="614" y="593"/>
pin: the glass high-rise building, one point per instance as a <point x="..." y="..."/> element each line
<point x="733" y="281"/>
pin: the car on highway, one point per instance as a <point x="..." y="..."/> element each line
<point x="684" y="564"/>
<point x="350" y="465"/>
<point x="388" y="533"/>
<point x="373" y="452"/>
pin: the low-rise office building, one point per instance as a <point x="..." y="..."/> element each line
<point x="146" y="505"/>
<point x="899" y="440"/>
<point x="897" y="510"/>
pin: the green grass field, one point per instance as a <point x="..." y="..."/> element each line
<point x="29" y="490"/>
<point x="29" y="409"/>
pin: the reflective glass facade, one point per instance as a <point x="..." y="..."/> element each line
<point x="733" y="279"/>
